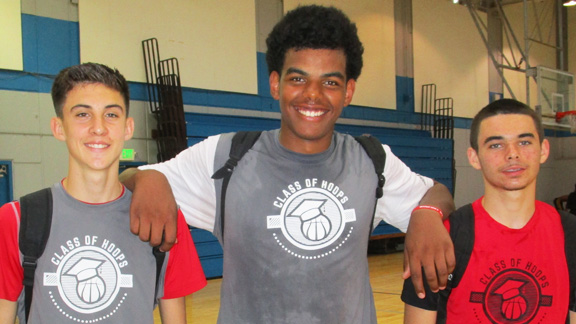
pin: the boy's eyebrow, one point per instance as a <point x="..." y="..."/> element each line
<point x="526" y="135"/>
<point x="90" y="107"/>
<point x="291" y="70"/>
<point x="497" y="138"/>
<point x="493" y="138"/>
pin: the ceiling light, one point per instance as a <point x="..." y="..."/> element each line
<point x="570" y="3"/>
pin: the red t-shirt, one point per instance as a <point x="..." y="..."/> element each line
<point x="514" y="275"/>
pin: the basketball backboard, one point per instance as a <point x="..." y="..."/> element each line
<point x="555" y="94"/>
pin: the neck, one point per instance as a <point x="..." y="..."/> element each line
<point x="305" y="146"/>
<point x="93" y="187"/>
<point x="511" y="208"/>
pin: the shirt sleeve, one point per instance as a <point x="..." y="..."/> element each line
<point x="11" y="272"/>
<point x="184" y="274"/>
<point x="403" y="190"/>
<point x="430" y="302"/>
<point x="190" y="177"/>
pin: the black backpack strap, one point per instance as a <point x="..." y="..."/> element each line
<point x="376" y="152"/>
<point x="35" y="223"/>
<point x="462" y="234"/>
<point x="569" y="225"/>
<point x="241" y="143"/>
<point x="160" y="256"/>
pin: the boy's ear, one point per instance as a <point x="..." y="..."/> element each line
<point x="350" y="88"/>
<point x="129" y="130"/>
<point x="473" y="159"/>
<point x="274" y="81"/>
<point x="57" y="128"/>
<point x="544" y="150"/>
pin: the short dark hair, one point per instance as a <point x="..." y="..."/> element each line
<point x="503" y="107"/>
<point x="315" y="27"/>
<point x="87" y="73"/>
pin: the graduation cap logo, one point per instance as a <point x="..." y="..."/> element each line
<point x="89" y="287"/>
<point x="315" y="225"/>
<point x="514" y="305"/>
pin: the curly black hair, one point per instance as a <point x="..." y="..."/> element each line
<point x="315" y="27"/>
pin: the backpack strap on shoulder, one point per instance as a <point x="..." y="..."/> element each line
<point x="569" y="225"/>
<point x="462" y="234"/>
<point x="376" y="152"/>
<point x="35" y="223"/>
<point x="241" y="143"/>
<point x="160" y="256"/>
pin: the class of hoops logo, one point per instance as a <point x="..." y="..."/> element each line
<point x="512" y="296"/>
<point x="89" y="280"/>
<point x="312" y="218"/>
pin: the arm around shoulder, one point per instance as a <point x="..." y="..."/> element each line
<point x="153" y="209"/>
<point x="428" y="244"/>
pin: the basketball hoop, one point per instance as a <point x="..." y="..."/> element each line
<point x="568" y="117"/>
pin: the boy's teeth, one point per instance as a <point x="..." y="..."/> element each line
<point x="97" y="145"/>
<point x="310" y="113"/>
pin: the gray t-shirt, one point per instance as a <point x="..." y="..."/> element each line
<point x="296" y="225"/>
<point x="93" y="270"/>
<point x="296" y="234"/>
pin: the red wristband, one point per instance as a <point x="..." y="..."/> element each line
<point x="436" y="209"/>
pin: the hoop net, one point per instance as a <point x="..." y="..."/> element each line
<point x="568" y="117"/>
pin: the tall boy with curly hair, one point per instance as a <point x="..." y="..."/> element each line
<point x="299" y="205"/>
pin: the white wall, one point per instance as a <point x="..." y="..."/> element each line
<point x="10" y="35"/>
<point x="203" y="37"/>
<point x="449" y="52"/>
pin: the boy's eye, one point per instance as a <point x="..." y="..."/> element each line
<point x="297" y="79"/>
<point x="525" y="143"/>
<point x="495" y="146"/>
<point x="331" y="83"/>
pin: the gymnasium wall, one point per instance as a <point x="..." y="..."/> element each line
<point x="447" y="51"/>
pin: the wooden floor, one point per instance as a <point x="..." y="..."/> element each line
<point x="385" y="276"/>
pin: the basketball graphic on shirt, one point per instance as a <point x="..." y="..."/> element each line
<point x="512" y="296"/>
<point x="90" y="287"/>
<point x="88" y="280"/>
<point x="316" y="228"/>
<point x="514" y="308"/>
<point x="91" y="290"/>
<point x="312" y="219"/>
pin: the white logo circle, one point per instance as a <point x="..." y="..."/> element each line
<point x="88" y="279"/>
<point x="312" y="219"/>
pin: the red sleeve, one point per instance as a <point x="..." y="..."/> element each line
<point x="11" y="273"/>
<point x="184" y="274"/>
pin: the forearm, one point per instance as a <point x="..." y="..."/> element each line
<point x="439" y="196"/>
<point x="572" y="316"/>
<point x="7" y="311"/>
<point x="173" y="311"/>
<point x="153" y="211"/>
